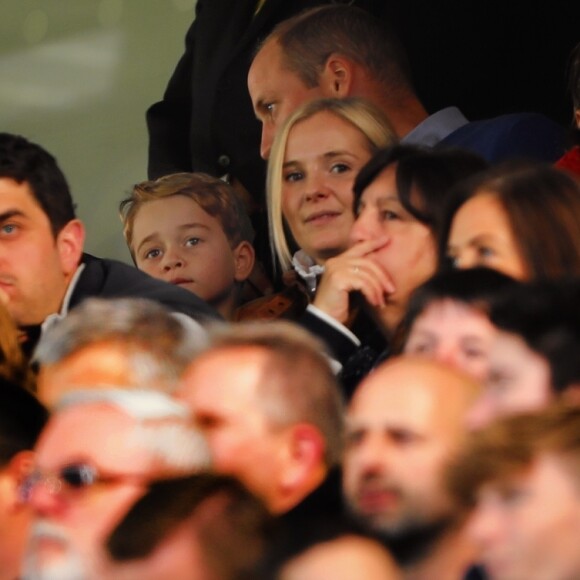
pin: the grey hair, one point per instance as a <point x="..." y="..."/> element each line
<point x="163" y="425"/>
<point x="159" y="344"/>
<point x="298" y="383"/>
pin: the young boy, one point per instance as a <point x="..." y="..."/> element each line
<point x="192" y="230"/>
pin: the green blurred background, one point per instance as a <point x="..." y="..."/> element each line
<point x="76" y="76"/>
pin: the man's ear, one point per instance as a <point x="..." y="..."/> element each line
<point x="337" y="76"/>
<point x="577" y="117"/>
<point x="18" y="468"/>
<point x="305" y="452"/>
<point x="244" y="259"/>
<point x="70" y="242"/>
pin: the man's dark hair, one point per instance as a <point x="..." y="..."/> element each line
<point x="22" y="418"/>
<point x="308" y="39"/>
<point x="478" y="288"/>
<point x="232" y="532"/>
<point x="546" y="315"/>
<point x="26" y="162"/>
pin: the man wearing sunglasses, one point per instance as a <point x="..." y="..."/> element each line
<point x="43" y="270"/>
<point x="95" y="458"/>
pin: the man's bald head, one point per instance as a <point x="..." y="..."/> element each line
<point x="405" y="423"/>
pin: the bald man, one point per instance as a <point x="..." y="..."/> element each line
<point x="405" y="423"/>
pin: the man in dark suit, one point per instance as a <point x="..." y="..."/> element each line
<point x="341" y="51"/>
<point x="205" y="121"/>
<point x="43" y="271"/>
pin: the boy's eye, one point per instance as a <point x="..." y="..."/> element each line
<point x="152" y="254"/>
<point x="484" y="253"/>
<point x="192" y="241"/>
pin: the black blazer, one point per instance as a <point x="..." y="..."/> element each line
<point x="102" y="278"/>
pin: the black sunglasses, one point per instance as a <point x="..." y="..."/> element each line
<point x="74" y="476"/>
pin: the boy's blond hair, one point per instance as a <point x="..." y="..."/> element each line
<point x="217" y="198"/>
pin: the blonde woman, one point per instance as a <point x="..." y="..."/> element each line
<point x="314" y="160"/>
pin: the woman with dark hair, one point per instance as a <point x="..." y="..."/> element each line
<point x="448" y="318"/>
<point x="399" y="195"/>
<point x="520" y="218"/>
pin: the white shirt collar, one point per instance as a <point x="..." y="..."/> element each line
<point x="52" y="319"/>
<point x="307" y="269"/>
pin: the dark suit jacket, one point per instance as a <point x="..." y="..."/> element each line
<point x="205" y="121"/>
<point x="111" y="279"/>
<point x="519" y="135"/>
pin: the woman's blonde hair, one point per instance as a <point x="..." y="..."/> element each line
<point x="359" y="113"/>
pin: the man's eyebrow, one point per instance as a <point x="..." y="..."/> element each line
<point x="10" y="214"/>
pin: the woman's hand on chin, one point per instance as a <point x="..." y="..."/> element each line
<point x="353" y="271"/>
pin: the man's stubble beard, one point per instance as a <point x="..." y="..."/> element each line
<point x="410" y="539"/>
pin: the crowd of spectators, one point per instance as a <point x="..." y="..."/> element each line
<point x="401" y="400"/>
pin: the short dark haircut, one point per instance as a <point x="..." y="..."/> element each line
<point x="232" y="540"/>
<point x="22" y="418"/>
<point x="478" y="288"/>
<point x="546" y="315"/>
<point x="27" y="162"/>
<point x="309" y="38"/>
<point x="424" y="178"/>
<point x="542" y="205"/>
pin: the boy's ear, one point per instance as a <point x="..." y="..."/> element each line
<point x="244" y="259"/>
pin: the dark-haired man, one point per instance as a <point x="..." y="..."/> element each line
<point x="342" y="51"/>
<point x="43" y="271"/>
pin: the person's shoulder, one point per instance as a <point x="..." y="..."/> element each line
<point x="524" y="135"/>
<point x="114" y="279"/>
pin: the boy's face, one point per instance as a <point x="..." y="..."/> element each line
<point x="175" y="240"/>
